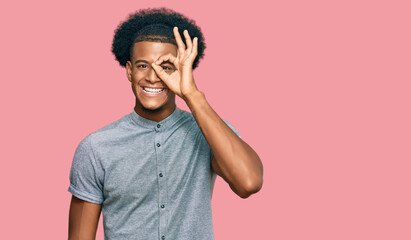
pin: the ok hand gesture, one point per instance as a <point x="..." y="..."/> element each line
<point x="181" y="81"/>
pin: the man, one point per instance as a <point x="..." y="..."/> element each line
<point x="152" y="172"/>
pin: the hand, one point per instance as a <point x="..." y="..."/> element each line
<point x="181" y="81"/>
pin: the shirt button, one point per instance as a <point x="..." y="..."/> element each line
<point x="158" y="125"/>
<point x="163" y="237"/>
<point x="161" y="175"/>
<point x="162" y="206"/>
<point x="158" y="144"/>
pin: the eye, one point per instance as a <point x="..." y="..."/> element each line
<point x="142" y="66"/>
<point x="167" y="68"/>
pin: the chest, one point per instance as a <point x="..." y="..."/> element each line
<point x="154" y="163"/>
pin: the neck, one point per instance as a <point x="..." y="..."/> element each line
<point x="154" y="115"/>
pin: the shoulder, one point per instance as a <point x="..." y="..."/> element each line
<point x="188" y="118"/>
<point x="108" y="132"/>
<point x="185" y="119"/>
<point x="119" y="125"/>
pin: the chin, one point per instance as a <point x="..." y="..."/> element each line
<point x="152" y="109"/>
<point x="155" y="105"/>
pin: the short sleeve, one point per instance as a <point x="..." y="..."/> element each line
<point x="86" y="176"/>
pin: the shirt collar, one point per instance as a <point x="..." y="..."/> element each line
<point x="146" y="123"/>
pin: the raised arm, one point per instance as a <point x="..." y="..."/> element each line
<point x="83" y="219"/>
<point x="234" y="160"/>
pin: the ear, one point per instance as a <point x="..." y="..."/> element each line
<point x="129" y="69"/>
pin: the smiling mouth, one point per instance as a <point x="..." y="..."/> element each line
<point x="152" y="90"/>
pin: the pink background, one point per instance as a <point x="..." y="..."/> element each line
<point x="320" y="89"/>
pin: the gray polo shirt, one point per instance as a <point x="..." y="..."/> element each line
<point x="153" y="179"/>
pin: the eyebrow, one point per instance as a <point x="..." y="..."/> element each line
<point x="167" y="62"/>
<point x="143" y="61"/>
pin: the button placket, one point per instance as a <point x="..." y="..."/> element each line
<point x="162" y="191"/>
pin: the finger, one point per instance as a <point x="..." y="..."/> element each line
<point x="179" y="41"/>
<point x="165" y="58"/>
<point x="193" y="53"/>
<point x="188" y="41"/>
<point x="176" y="63"/>
<point x="160" y="72"/>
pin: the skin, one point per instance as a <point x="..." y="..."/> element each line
<point x="83" y="219"/>
<point x="169" y="67"/>
<point x="141" y="74"/>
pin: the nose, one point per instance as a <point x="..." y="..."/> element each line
<point x="152" y="76"/>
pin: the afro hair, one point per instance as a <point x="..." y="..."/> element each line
<point x="155" y="25"/>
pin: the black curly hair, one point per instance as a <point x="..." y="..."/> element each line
<point x="155" y="25"/>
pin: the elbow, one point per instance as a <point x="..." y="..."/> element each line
<point x="250" y="187"/>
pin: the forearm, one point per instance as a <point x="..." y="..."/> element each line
<point x="236" y="161"/>
<point x="83" y="219"/>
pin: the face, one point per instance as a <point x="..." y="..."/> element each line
<point x="154" y="100"/>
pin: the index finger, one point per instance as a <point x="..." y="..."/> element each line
<point x="166" y="58"/>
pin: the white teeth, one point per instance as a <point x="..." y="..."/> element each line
<point x="152" y="90"/>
